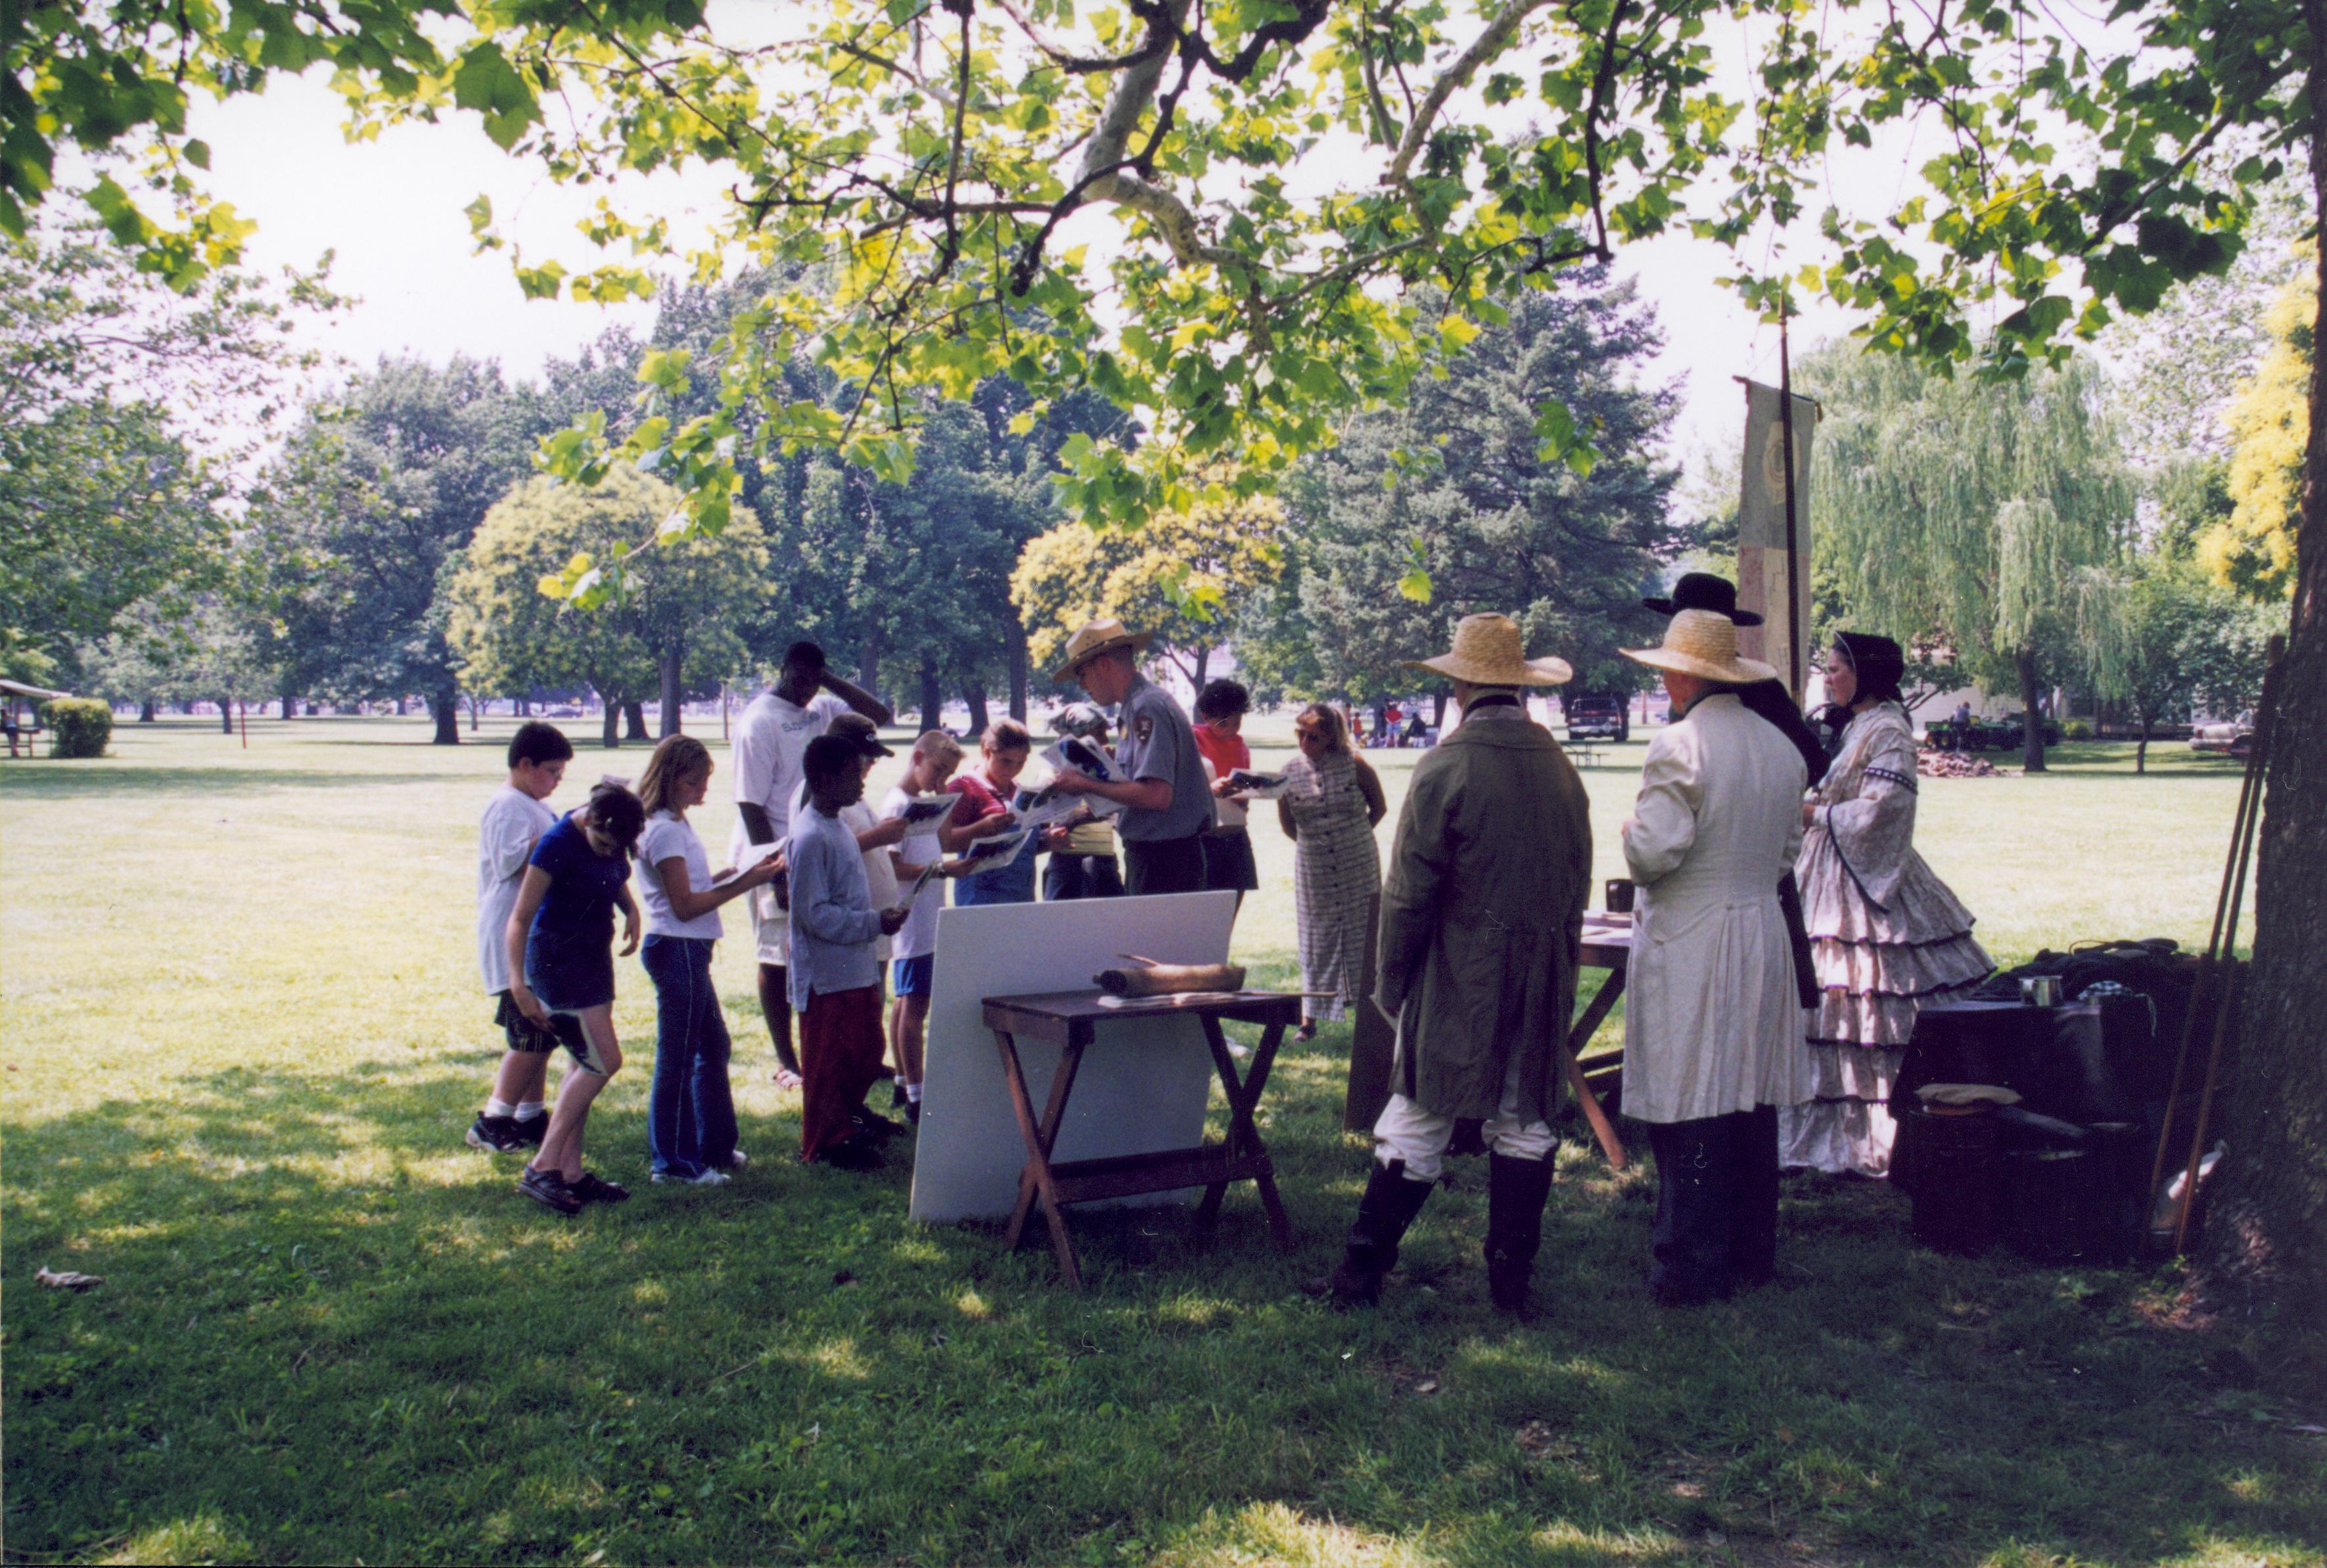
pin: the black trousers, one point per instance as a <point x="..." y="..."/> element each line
<point x="1164" y="865"/>
<point x="1081" y="876"/>
<point x="1717" y="1204"/>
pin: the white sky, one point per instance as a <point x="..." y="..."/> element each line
<point x="392" y="211"/>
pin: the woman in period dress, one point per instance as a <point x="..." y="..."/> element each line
<point x="1886" y="934"/>
<point x="1330" y="803"/>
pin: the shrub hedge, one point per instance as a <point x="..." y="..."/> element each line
<point x="78" y="726"/>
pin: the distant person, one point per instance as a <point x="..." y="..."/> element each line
<point x="1332" y="801"/>
<point x="1160" y="776"/>
<point x="770" y="739"/>
<point x="984" y="812"/>
<point x="515" y="817"/>
<point x="835" y="974"/>
<point x="912" y="973"/>
<point x="1085" y="866"/>
<point x="1220" y="708"/>
<point x="1713" y="1020"/>
<point x="690" y="1104"/>
<point x="1480" y="919"/>
<point x="1887" y="937"/>
<point x="560" y="938"/>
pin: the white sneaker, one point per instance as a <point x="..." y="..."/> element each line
<point x="708" y="1179"/>
<point x="738" y="1160"/>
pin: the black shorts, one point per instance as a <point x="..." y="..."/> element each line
<point x="1227" y="862"/>
<point x="530" y="1039"/>
<point x="1164" y="865"/>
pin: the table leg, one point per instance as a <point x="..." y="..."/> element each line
<point x="1035" y="1181"/>
<point x="1244" y="1135"/>
<point x="1578" y="1038"/>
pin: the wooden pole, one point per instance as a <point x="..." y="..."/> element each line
<point x="1786" y="433"/>
<point x="244" y="709"/>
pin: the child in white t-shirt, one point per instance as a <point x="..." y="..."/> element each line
<point x="935" y="757"/>
<point x="515" y="1115"/>
<point x="690" y="1107"/>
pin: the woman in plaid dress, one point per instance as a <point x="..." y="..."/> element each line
<point x="1330" y="804"/>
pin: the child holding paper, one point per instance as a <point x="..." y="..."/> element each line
<point x="690" y="1110"/>
<point x="835" y="978"/>
<point x="984" y="812"/>
<point x="935" y="757"/>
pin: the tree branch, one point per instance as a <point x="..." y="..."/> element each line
<point x="1492" y="40"/>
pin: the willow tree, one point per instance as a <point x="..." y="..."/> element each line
<point x="1968" y="513"/>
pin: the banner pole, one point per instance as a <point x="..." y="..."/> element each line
<point x="1786" y="436"/>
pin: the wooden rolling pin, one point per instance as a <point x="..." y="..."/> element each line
<point x="1168" y="979"/>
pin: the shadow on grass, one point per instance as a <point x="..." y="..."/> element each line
<point x="77" y="780"/>
<point x="328" y="1331"/>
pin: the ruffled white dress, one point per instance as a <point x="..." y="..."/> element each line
<point x="1886" y="937"/>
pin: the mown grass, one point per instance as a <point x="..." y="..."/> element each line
<point x="242" y="1037"/>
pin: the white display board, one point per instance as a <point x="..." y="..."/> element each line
<point x="1142" y="1088"/>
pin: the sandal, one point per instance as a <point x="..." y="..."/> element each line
<point x="788" y="1079"/>
<point x="1308" y="1029"/>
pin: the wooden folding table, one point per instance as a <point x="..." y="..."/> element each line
<point x="1072" y="1021"/>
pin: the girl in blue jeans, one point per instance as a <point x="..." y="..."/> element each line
<point x="690" y="1112"/>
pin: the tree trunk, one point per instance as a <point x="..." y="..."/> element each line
<point x="445" y="707"/>
<point x="290" y="702"/>
<point x="145" y="711"/>
<point x="868" y="662"/>
<point x="932" y="696"/>
<point x="674" y="664"/>
<point x="1016" y="638"/>
<point x="2266" y="1249"/>
<point x="1438" y="710"/>
<point x="2032" y="723"/>
<point x="611" y="735"/>
<point x="476" y="712"/>
<point x="1203" y="663"/>
<point x="634" y="720"/>
<point x="226" y="715"/>
<point x="974" y="694"/>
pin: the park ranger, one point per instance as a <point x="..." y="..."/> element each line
<point x="1160" y="776"/>
<point x="1481" y="916"/>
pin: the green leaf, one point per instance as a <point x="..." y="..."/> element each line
<point x="1416" y="585"/>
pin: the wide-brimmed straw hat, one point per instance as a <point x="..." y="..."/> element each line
<point x="1487" y="651"/>
<point x="1093" y="638"/>
<point x="1704" y="643"/>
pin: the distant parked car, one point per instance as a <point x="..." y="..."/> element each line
<point x="2234" y="739"/>
<point x="1591" y="718"/>
<point x="1986" y="734"/>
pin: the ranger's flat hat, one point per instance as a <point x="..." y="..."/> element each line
<point x="1488" y="651"/>
<point x="1093" y="638"/>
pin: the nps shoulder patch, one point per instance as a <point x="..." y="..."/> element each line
<point x="1144" y="727"/>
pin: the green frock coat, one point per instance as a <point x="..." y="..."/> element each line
<point x="1481" y="914"/>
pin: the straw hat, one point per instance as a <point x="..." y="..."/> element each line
<point x="1703" y="643"/>
<point x="1093" y="638"/>
<point x="1487" y="652"/>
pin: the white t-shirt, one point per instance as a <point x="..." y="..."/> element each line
<point x="513" y="820"/>
<point x="769" y="744"/>
<point x="670" y="837"/>
<point x="880" y="870"/>
<point x="919" y="934"/>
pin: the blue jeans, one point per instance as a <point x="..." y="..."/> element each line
<point x="690" y="1111"/>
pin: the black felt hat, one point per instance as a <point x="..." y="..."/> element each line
<point x="1703" y="590"/>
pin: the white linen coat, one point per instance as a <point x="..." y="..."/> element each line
<point x="1713" y="1024"/>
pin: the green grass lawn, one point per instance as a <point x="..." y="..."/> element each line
<point x="243" y="1035"/>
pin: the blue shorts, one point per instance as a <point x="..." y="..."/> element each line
<point x="913" y="976"/>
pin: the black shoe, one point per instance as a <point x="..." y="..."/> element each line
<point x="1517" y="1190"/>
<point x="533" y="1129"/>
<point x="1391" y="1201"/>
<point x="548" y="1189"/>
<point x="594" y="1187"/>
<point x="913" y="1112"/>
<point x="496" y="1135"/>
<point x="897" y="1096"/>
<point x="854" y="1154"/>
<point x="872" y="1124"/>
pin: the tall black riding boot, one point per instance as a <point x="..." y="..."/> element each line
<point x="1390" y="1203"/>
<point x="1517" y="1190"/>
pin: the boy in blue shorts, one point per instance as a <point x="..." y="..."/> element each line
<point x="514" y="1117"/>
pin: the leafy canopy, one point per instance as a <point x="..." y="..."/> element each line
<point x="1209" y="214"/>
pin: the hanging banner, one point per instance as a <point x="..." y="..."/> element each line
<point x="1763" y="559"/>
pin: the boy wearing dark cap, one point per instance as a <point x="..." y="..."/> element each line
<point x="835" y="973"/>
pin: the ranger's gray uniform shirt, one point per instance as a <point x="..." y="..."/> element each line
<point x="1158" y="744"/>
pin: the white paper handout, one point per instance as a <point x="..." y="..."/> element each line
<point x="1253" y="785"/>
<point x="922" y="809"/>
<point x="751" y="854"/>
<point x="1075" y="751"/>
<point x="1001" y="850"/>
